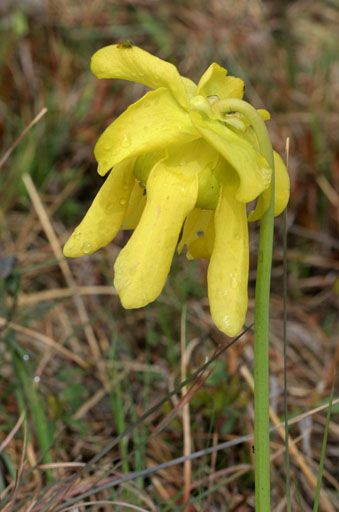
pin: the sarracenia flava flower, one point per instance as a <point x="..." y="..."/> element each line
<point x="178" y="166"/>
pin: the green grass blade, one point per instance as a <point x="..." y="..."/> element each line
<point x="323" y="454"/>
<point x="36" y="408"/>
<point x="118" y="410"/>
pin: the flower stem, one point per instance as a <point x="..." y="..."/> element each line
<point x="261" y="316"/>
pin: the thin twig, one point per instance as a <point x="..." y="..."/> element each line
<point x="65" y="269"/>
<point x="12" y="433"/>
<point x="22" y="135"/>
<point x="63" y="293"/>
<point x="186" y="422"/>
<point x="42" y="338"/>
<point x="10" y="505"/>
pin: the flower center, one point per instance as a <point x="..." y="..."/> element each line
<point x="203" y="104"/>
<point x="207" y="104"/>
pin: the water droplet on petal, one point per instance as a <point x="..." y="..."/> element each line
<point x="237" y="236"/>
<point x="126" y="141"/>
<point x="86" y="247"/>
<point x="110" y="207"/>
<point x="77" y="235"/>
<point x="200" y="234"/>
<point x="266" y="175"/>
<point x="226" y="321"/>
<point x="107" y="147"/>
<point x="122" y="202"/>
<point x="234" y="281"/>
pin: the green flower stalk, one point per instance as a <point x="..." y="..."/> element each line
<point x="183" y="162"/>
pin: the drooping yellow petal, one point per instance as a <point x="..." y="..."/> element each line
<point x="198" y="234"/>
<point x="281" y="188"/>
<point x="154" y="122"/>
<point x="105" y="215"/>
<point x="143" y="264"/>
<point x="136" y="65"/>
<point x="215" y="82"/>
<point x="253" y="170"/>
<point x="136" y="205"/>
<point x="228" y="268"/>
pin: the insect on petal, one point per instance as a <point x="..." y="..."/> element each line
<point x="132" y="63"/>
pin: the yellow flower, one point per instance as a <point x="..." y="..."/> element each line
<point x="176" y="163"/>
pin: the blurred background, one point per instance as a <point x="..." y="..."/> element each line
<point x="76" y="369"/>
